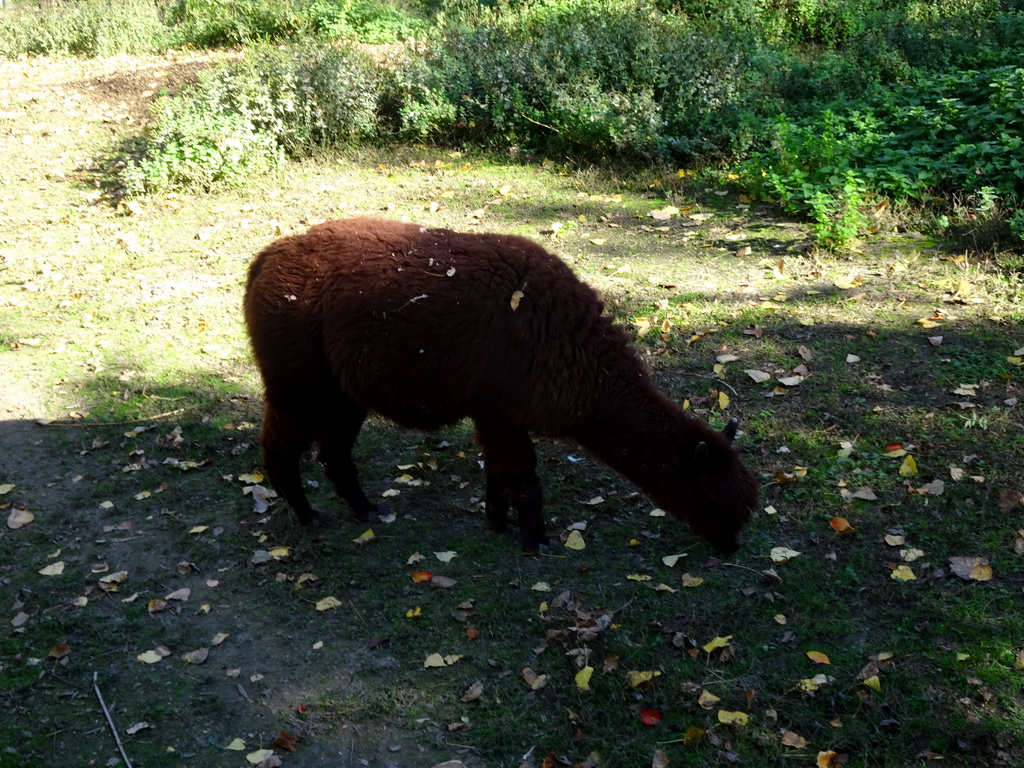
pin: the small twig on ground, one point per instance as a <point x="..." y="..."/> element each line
<point x="50" y="423"/>
<point x="110" y="720"/>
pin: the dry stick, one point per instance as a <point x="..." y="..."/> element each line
<point x="44" y="423"/>
<point x="110" y="721"/>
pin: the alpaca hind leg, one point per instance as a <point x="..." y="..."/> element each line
<point x="511" y="464"/>
<point x="286" y="433"/>
<point x="339" y="434"/>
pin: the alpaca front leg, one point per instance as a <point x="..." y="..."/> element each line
<point x="510" y="464"/>
<point x="496" y="504"/>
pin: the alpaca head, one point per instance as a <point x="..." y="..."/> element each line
<point x="724" y="492"/>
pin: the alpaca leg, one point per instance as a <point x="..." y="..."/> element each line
<point x="339" y="436"/>
<point x="285" y="435"/>
<point x="497" y="503"/>
<point x="511" y="477"/>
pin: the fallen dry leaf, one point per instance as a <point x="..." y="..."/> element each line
<point x="783" y="554"/>
<point x="197" y="656"/>
<point x="583" y="678"/>
<point x="971" y="568"/>
<point x="474" y="692"/>
<point x="327" y="603"/>
<point x="794" y="740"/>
<point x="19" y="518"/>
<point x="532" y="679"/>
<point x="732" y="718"/>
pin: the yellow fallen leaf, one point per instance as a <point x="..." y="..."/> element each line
<point x="149" y="657"/>
<point x="814" y="683"/>
<point x="6" y="488"/>
<point x="219" y="638"/>
<point x="236" y="746"/>
<point x="716" y="643"/>
<point x="445" y="557"/>
<point x="723" y="401"/>
<point x="365" y="537"/>
<point x="818" y="657"/>
<point x="414" y="612"/>
<point x="257" y="757"/>
<point x="541" y="586"/>
<point x="327" y="603"/>
<point x="583" y="678"/>
<point x="909" y="467"/>
<point x="638" y="577"/>
<point x="53" y="569"/>
<point x="199" y="529"/>
<point x="637" y="679"/>
<point x="874" y="683"/>
<point x="575" y="541"/>
<point x="671" y="560"/>
<point x="707" y="700"/>
<point x="902" y="573"/>
<point x="280" y="552"/>
<point x="692" y="581"/>
<point x="732" y="718"/>
<point x="693" y="735"/>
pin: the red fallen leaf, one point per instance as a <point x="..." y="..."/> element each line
<point x="841" y="526"/>
<point x="286" y="740"/>
<point x="578" y="736"/>
<point x="893" y="447"/>
<point x="650" y="717"/>
<point x="472" y="633"/>
<point x="421" y="576"/>
<point x="302" y="709"/>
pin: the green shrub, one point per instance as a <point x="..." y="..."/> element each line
<point x="243" y="117"/>
<point x="585" y="77"/>
<point x="196" y="145"/>
<point x="209" y="23"/>
<point x="946" y="134"/>
<point x="87" y="28"/>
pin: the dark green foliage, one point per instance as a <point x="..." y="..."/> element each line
<point x="945" y="134"/>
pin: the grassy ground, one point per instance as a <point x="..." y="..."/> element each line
<point x="121" y="330"/>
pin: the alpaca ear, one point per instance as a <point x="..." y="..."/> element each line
<point x="730" y="429"/>
<point x="701" y="451"/>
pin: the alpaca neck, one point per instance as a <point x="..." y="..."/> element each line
<point x="642" y="437"/>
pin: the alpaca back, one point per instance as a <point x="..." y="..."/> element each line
<point x="429" y="326"/>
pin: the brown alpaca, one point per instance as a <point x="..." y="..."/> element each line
<point x="428" y="326"/>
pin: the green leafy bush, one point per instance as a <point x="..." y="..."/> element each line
<point x="87" y="28"/>
<point x="243" y="117"/>
<point x="587" y="77"/>
<point x="197" y="145"/>
<point x="210" y="23"/>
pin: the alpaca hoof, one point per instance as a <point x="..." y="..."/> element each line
<point x="542" y="547"/>
<point x="372" y="512"/>
<point x="310" y="519"/>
